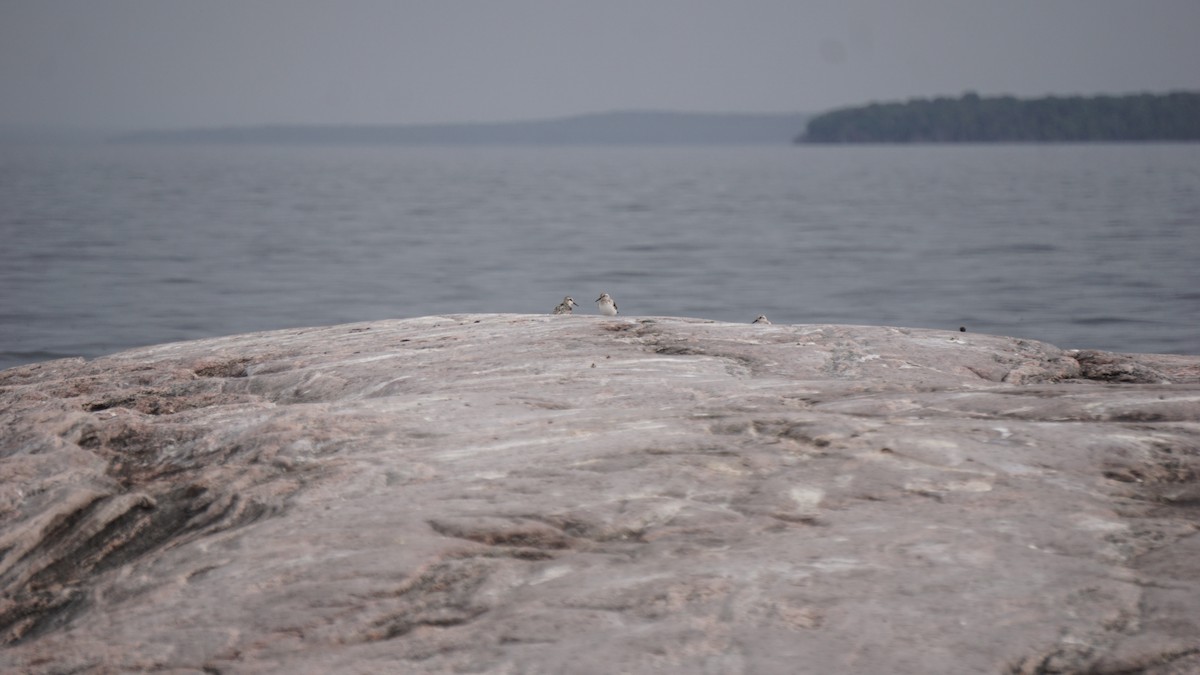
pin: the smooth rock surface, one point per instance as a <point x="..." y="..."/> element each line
<point x="551" y="494"/>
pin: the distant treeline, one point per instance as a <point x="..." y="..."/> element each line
<point x="972" y="119"/>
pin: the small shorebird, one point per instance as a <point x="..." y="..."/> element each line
<point x="762" y="318"/>
<point x="566" y="306"/>
<point x="607" y="305"/>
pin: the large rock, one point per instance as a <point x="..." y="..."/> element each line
<point x="520" y="494"/>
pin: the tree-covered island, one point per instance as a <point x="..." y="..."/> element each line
<point x="975" y="119"/>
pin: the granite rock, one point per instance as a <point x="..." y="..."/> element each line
<point x="548" y="494"/>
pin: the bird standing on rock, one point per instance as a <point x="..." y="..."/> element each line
<point x="607" y="305"/>
<point x="568" y="303"/>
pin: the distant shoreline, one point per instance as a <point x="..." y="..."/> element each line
<point x="615" y="128"/>
<point x="1172" y="117"/>
<point x="970" y="119"/>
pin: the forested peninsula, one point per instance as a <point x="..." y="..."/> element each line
<point x="975" y="119"/>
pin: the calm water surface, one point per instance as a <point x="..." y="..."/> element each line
<point x="1083" y="246"/>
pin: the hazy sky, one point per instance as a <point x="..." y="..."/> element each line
<point x="124" y="64"/>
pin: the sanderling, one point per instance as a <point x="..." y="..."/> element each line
<point x="762" y="318"/>
<point x="607" y="304"/>
<point x="566" y="306"/>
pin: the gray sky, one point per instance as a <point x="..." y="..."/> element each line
<point x="124" y="64"/>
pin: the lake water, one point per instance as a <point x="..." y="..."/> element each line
<point x="106" y="247"/>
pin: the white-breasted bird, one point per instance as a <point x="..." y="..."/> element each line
<point x="608" y="306"/>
